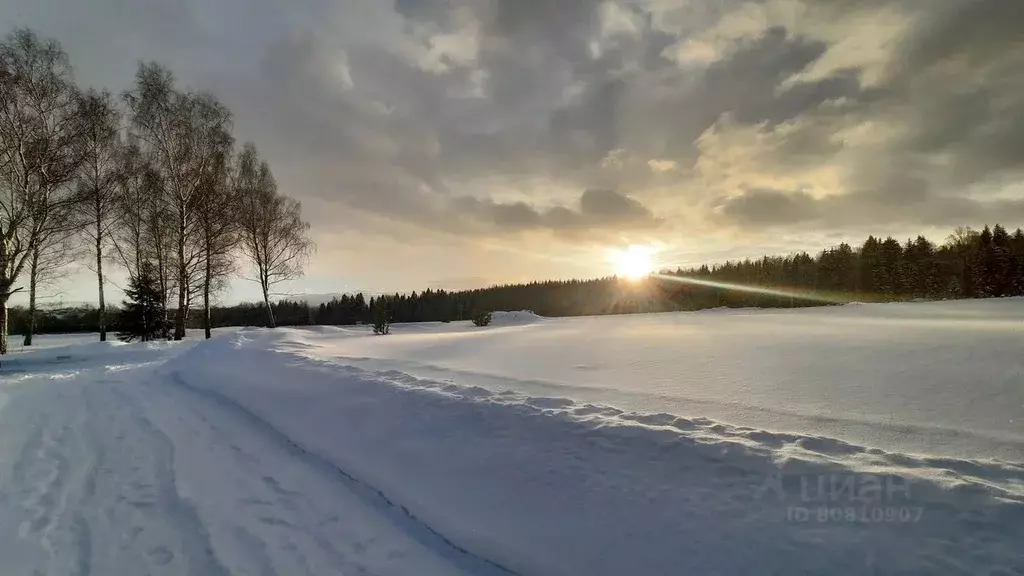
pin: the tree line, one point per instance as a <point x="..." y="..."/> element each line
<point x="150" y="181"/>
<point x="969" y="264"/>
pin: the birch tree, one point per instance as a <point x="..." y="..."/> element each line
<point x="52" y="251"/>
<point x="98" y="183"/>
<point x="184" y="132"/>
<point x="142" y="240"/>
<point x="132" y="202"/>
<point x="218" y="230"/>
<point x="40" y="151"/>
<point x="274" y="238"/>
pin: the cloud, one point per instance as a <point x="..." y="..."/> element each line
<point x="596" y="211"/>
<point x="912" y="202"/>
<point x="762" y="207"/>
<point x="929" y="142"/>
<point x="469" y="120"/>
<point x="662" y="165"/>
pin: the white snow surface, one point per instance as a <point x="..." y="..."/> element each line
<point x="868" y="439"/>
<point x="514" y="318"/>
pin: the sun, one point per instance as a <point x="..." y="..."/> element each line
<point x="633" y="262"/>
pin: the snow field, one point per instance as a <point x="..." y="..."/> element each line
<point x="549" y="485"/>
<point x="880" y="439"/>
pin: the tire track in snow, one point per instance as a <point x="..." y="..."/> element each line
<point x="376" y="499"/>
<point x="77" y="499"/>
<point x="101" y="470"/>
<point x="198" y="553"/>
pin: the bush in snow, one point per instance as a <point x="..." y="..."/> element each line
<point x="381" y="320"/>
<point x="482" y="318"/>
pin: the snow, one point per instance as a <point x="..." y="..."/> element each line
<point x="845" y="440"/>
<point x="940" y="378"/>
<point x="514" y="318"/>
<point x="109" y="467"/>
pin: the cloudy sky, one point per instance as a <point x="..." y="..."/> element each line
<point x="457" y="143"/>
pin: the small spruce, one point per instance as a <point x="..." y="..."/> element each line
<point x="143" y="316"/>
<point x="381" y="320"/>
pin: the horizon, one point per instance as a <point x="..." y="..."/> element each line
<point x="466" y="144"/>
<point x="654" y="268"/>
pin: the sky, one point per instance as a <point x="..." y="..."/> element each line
<point x="461" y="143"/>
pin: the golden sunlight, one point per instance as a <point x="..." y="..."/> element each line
<point x="633" y="262"/>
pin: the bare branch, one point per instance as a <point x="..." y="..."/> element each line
<point x="274" y="238"/>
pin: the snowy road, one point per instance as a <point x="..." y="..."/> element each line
<point x="113" y="470"/>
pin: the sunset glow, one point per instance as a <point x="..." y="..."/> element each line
<point x="633" y="262"/>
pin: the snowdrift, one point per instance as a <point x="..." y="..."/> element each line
<point x="514" y="318"/>
<point x="82" y="354"/>
<point x="549" y="485"/>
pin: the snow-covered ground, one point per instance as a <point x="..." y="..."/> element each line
<point x="858" y="439"/>
<point x="110" y="466"/>
<point x="941" y="378"/>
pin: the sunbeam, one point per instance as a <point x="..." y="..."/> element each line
<point x="796" y="294"/>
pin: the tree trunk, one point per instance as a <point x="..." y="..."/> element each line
<point x="3" y="323"/>
<point x="179" y="317"/>
<point x="99" y="277"/>
<point x="161" y="266"/>
<point x="33" y="275"/>
<point x="270" y="310"/>
<point x="207" y="329"/>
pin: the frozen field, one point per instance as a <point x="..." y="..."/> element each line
<point x="941" y="378"/>
<point x="881" y="439"/>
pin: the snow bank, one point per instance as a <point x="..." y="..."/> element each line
<point x="80" y="354"/>
<point x="52" y="352"/>
<point x="548" y="485"/>
<point x="514" y="318"/>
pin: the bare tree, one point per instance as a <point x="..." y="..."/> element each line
<point x="132" y="203"/>
<point x="274" y="238"/>
<point x="53" y="252"/>
<point x="143" y="237"/>
<point x="218" y="229"/>
<point x="40" y="151"/>
<point x="98" y="182"/>
<point x="184" y="132"/>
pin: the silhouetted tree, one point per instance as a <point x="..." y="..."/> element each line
<point x="142" y="316"/>
<point x="98" y="182"/>
<point x="184" y="133"/>
<point x="273" y="236"/>
<point x="40" y="152"/>
<point x="381" y="317"/>
<point x="218" y="231"/>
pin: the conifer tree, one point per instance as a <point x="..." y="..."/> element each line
<point x="983" y="266"/>
<point x="142" y="316"/>
<point x="381" y="317"/>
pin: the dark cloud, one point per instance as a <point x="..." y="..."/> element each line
<point x="596" y="211"/>
<point x="915" y="205"/>
<point x="976" y="30"/>
<point x="933" y="142"/>
<point x="745" y="84"/>
<point x="610" y="207"/>
<point x="766" y="207"/>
